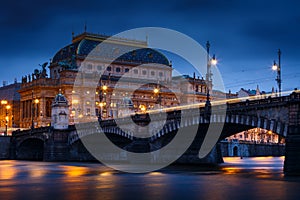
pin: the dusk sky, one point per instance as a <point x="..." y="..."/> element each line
<point x="244" y="35"/>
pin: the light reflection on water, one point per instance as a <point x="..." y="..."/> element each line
<point x="237" y="178"/>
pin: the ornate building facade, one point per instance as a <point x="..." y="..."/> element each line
<point x="105" y="77"/>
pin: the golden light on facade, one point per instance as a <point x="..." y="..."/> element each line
<point x="142" y="108"/>
<point x="36" y="101"/>
<point x="8" y="107"/>
<point x="75" y="101"/>
<point x="101" y="104"/>
<point x="3" y="102"/>
<point x="104" y="87"/>
<point x="156" y="90"/>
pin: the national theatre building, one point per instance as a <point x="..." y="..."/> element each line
<point x="105" y="77"/>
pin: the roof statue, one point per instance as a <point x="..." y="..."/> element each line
<point x="43" y="73"/>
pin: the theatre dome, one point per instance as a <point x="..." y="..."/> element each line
<point x="131" y="51"/>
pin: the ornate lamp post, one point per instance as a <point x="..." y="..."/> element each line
<point x="7" y="107"/>
<point x="277" y="68"/>
<point x="156" y="91"/>
<point x="34" y="103"/>
<point x="210" y="62"/>
<point x="102" y="98"/>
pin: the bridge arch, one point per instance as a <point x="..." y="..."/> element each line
<point x="236" y="123"/>
<point x="30" y="149"/>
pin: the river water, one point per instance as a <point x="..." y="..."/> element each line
<point x="247" y="178"/>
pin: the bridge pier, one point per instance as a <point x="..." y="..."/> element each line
<point x="292" y="152"/>
<point x="56" y="146"/>
<point x="292" y="149"/>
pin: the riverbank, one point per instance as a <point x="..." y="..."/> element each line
<point x="229" y="149"/>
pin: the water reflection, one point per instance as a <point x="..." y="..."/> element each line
<point x="260" y="167"/>
<point x="7" y="171"/>
<point x="237" y="178"/>
<point x="73" y="171"/>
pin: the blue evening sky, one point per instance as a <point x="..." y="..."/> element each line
<point x="244" y="35"/>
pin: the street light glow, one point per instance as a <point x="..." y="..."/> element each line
<point x="214" y="60"/>
<point x="156" y="90"/>
<point x="3" y="102"/>
<point x="104" y="87"/>
<point x="275" y="67"/>
<point x="143" y="108"/>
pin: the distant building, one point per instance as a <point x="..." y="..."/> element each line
<point x="256" y="135"/>
<point x="255" y="94"/>
<point x="10" y="96"/>
<point x="248" y="93"/>
<point x="190" y="89"/>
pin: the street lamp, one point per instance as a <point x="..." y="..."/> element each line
<point x="156" y="91"/>
<point x="102" y="98"/>
<point x="210" y="62"/>
<point x="7" y="107"/>
<point x="214" y="61"/>
<point x="277" y="68"/>
<point x="34" y="103"/>
<point x="142" y="108"/>
<point x="6" y="117"/>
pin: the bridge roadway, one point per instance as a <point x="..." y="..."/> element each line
<point x="156" y="130"/>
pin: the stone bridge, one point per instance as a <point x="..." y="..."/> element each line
<point x="151" y="132"/>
